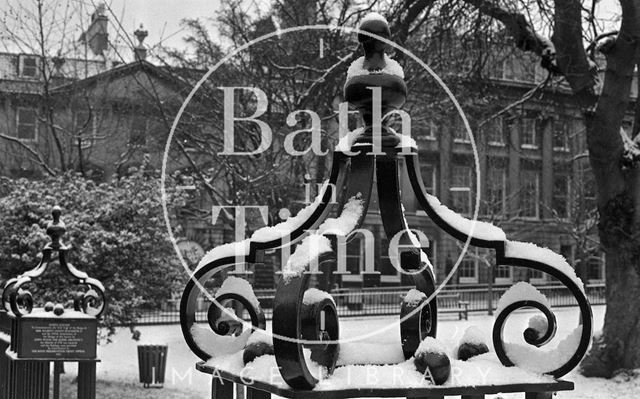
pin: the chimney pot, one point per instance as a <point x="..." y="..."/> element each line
<point x="140" y="51"/>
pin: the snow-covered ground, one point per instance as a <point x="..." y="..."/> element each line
<point x="119" y="358"/>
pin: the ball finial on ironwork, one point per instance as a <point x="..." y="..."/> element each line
<point x="374" y="49"/>
<point x="56" y="228"/>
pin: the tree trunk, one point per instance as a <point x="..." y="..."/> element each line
<point x="618" y="347"/>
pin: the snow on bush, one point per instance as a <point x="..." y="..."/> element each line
<point x="527" y="250"/>
<point x="521" y="291"/>
<point x="314" y="295"/>
<point x="480" y="230"/>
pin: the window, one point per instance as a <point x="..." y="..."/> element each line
<point x="536" y="276"/>
<point x="560" y="136"/>
<point x="585" y="187"/>
<point x="428" y="172"/>
<point x="503" y="275"/>
<point x="496" y="182"/>
<point x="27" y="124"/>
<point x="508" y="68"/>
<point x="138" y="130"/>
<point x="354" y="260"/>
<point x="560" y="201"/>
<point x="388" y="273"/>
<point x="595" y="268"/>
<point x="528" y="67"/>
<point x="529" y="136"/>
<point x="468" y="270"/>
<point x="494" y="132"/>
<point x="28" y="66"/>
<point x="530" y="194"/>
<point x="461" y="193"/>
<point x="589" y="190"/>
<point x="430" y="131"/>
<point x="460" y="134"/>
<point x="84" y="127"/>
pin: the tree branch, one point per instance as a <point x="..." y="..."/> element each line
<point x="522" y="31"/>
<point x="31" y="151"/>
<point x="572" y="58"/>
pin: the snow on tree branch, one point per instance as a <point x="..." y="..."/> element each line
<point x="522" y="31"/>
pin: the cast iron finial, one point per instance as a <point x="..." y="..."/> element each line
<point x="374" y="49"/>
<point x="56" y="228"/>
<point x="375" y="70"/>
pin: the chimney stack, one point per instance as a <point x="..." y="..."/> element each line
<point x="140" y="50"/>
<point x="96" y="36"/>
<point x="58" y="62"/>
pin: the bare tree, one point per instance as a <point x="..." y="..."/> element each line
<point x="604" y="104"/>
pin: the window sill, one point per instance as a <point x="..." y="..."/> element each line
<point x="529" y="146"/>
<point x="468" y="280"/>
<point x="462" y="141"/>
<point x="496" y="144"/>
<point x="389" y="279"/>
<point x="352" y="278"/>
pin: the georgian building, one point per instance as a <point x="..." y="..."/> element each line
<point x="535" y="183"/>
<point x="534" y="173"/>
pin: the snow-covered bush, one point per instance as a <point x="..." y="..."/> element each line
<point x="116" y="232"/>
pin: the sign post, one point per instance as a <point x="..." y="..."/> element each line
<point x="31" y="338"/>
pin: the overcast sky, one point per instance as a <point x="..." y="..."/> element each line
<point x="161" y="18"/>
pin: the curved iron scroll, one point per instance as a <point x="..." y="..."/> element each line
<point x="250" y="253"/>
<point x="422" y="323"/>
<point x="502" y="259"/>
<point x="14" y="297"/>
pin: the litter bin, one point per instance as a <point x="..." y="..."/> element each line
<point x="152" y="364"/>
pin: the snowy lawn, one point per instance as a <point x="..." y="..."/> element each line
<point x="119" y="358"/>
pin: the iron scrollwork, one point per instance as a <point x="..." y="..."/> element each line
<point x="19" y="300"/>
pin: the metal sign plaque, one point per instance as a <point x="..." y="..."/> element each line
<point x="62" y="338"/>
